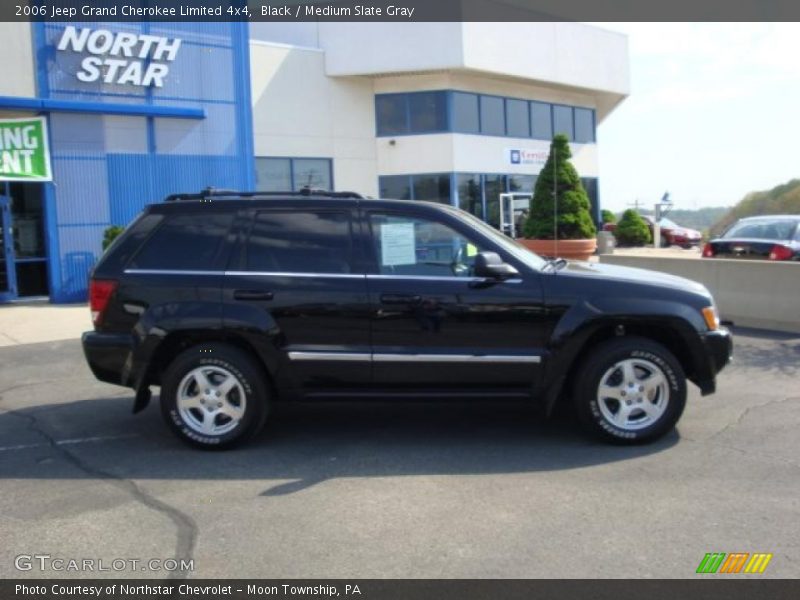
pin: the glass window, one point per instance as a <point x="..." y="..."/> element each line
<point x="767" y="229"/>
<point x="541" y="121"/>
<point x="312" y="172"/>
<point x="562" y="121"/>
<point x="397" y="187"/>
<point x="584" y="125"/>
<point x="517" y="118"/>
<point x="419" y="247"/>
<point x="591" y="187"/>
<point x="300" y="242"/>
<point x="391" y="114"/>
<point x="521" y="183"/>
<point x="494" y="185"/>
<point x="465" y="113"/>
<point x="493" y="121"/>
<point x="273" y="174"/>
<point x="469" y="193"/>
<point x="434" y="187"/>
<point x="428" y="112"/>
<point x="185" y="242"/>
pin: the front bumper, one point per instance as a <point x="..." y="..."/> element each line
<point x="108" y="355"/>
<point x="718" y="347"/>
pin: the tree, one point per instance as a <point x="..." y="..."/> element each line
<point x="632" y="229"/>
<point x="110" y="234"/>
<point x="608" y="216"/>
<point x="572" y="220"/>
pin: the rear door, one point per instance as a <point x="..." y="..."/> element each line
<point x="296" y="284"/>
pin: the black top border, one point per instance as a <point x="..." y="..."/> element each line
<point x="398" y="10"/>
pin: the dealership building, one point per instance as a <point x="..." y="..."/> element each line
<point x="457" y="113"/>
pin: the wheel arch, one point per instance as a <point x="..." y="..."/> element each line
<point x="176" y="342"/>
<point x="666" y="332"/>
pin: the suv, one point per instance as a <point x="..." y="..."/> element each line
<point x="232" y="301"/>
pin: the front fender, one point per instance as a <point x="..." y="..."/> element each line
<point x="583" y="320"/>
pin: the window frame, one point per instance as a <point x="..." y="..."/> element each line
<point x="353" y="258"/>
<point x="527" y="105"/>
<point x="592" y="124"/>
<point x="554" y="106"/>
<point x="372" y="259"/>
<point x="502" y="105"/>
<point x="218" y="260"/>
<point x="292" y="160"/>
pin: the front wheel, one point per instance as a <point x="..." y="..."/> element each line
<point x="214" y="396"/>
<point x="631" y="390"/>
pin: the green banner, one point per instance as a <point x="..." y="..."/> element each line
<point x="24" y="152"/>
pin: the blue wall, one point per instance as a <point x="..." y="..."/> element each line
<point x="107" y="167"/>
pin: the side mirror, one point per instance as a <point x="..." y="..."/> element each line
<point x="491" y="266"/>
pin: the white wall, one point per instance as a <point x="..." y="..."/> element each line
<point x="299" y="111"/>
<point x="316" y="98"/>
<point x="470" y="154"/>
<point x="571" y="56"/>
<point x="18" y="69"/>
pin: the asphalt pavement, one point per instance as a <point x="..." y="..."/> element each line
<point x="462" y="489"/>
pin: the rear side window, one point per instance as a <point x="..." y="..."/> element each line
<point x="188" y="242"/>
<point x="779" y="229"/>
<point x="300" y="242"/>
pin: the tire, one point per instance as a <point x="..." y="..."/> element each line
<point x="609" y="407"/>
<point x="231" y="410"/>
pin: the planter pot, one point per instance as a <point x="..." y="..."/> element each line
<point x="571" y="249"/>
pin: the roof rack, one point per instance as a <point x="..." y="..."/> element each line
<point x="209" y="193"/>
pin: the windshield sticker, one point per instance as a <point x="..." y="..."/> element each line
<point x="397" y="244"/>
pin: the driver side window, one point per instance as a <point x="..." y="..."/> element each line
<point x="421" y="247"/>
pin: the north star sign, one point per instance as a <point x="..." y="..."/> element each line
<point x="121" y="58"/>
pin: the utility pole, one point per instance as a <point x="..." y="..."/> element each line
<point x="636" y="204"/>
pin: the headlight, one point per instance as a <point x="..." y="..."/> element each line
<point x="711" y="316"/>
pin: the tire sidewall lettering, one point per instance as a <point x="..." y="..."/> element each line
<point x="674" y="385"/>
<point x="213" y="440"/>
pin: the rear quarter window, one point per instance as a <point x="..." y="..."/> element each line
<point x="126" y="245"/>
<point x="188" y="242"/>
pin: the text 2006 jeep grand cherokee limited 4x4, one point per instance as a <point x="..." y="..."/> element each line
<point x="231" y="301"/>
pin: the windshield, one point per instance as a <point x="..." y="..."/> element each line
<point x="665" y="222"/>
<point x="777" y="229"/>
<point x="522" y="254"/>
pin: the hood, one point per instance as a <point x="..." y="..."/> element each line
<point x="633" y="275"/>
<point x="686" y="232"/>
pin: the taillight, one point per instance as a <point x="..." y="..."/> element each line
<point x="779" y="252"/>
<point x="100" y="292"/>
<point x="708" y="251"/>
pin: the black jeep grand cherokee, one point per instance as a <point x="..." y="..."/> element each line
<point x="231" y="301"/>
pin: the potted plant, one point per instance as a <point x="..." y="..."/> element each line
<point x="559" y="222"/>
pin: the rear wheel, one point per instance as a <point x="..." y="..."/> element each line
<point x="214" y="396"/>
<point x="631" y="390"/>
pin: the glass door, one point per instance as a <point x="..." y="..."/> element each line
<point x="8" y="279"/>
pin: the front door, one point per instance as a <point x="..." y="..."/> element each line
<point x="436" y="327"/>
<point x="8" y="279"/>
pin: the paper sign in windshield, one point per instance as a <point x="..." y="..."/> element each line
<point x="397" y="244"/>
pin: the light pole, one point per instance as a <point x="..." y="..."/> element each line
<point x="661" y="209"/>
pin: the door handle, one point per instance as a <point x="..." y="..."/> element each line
<point x="400" y="299"/>
<point x="252" y="295"/>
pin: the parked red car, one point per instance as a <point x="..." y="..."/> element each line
<point x="672" y="234"/>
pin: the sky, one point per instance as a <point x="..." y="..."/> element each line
<point x="714" y="113"/>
